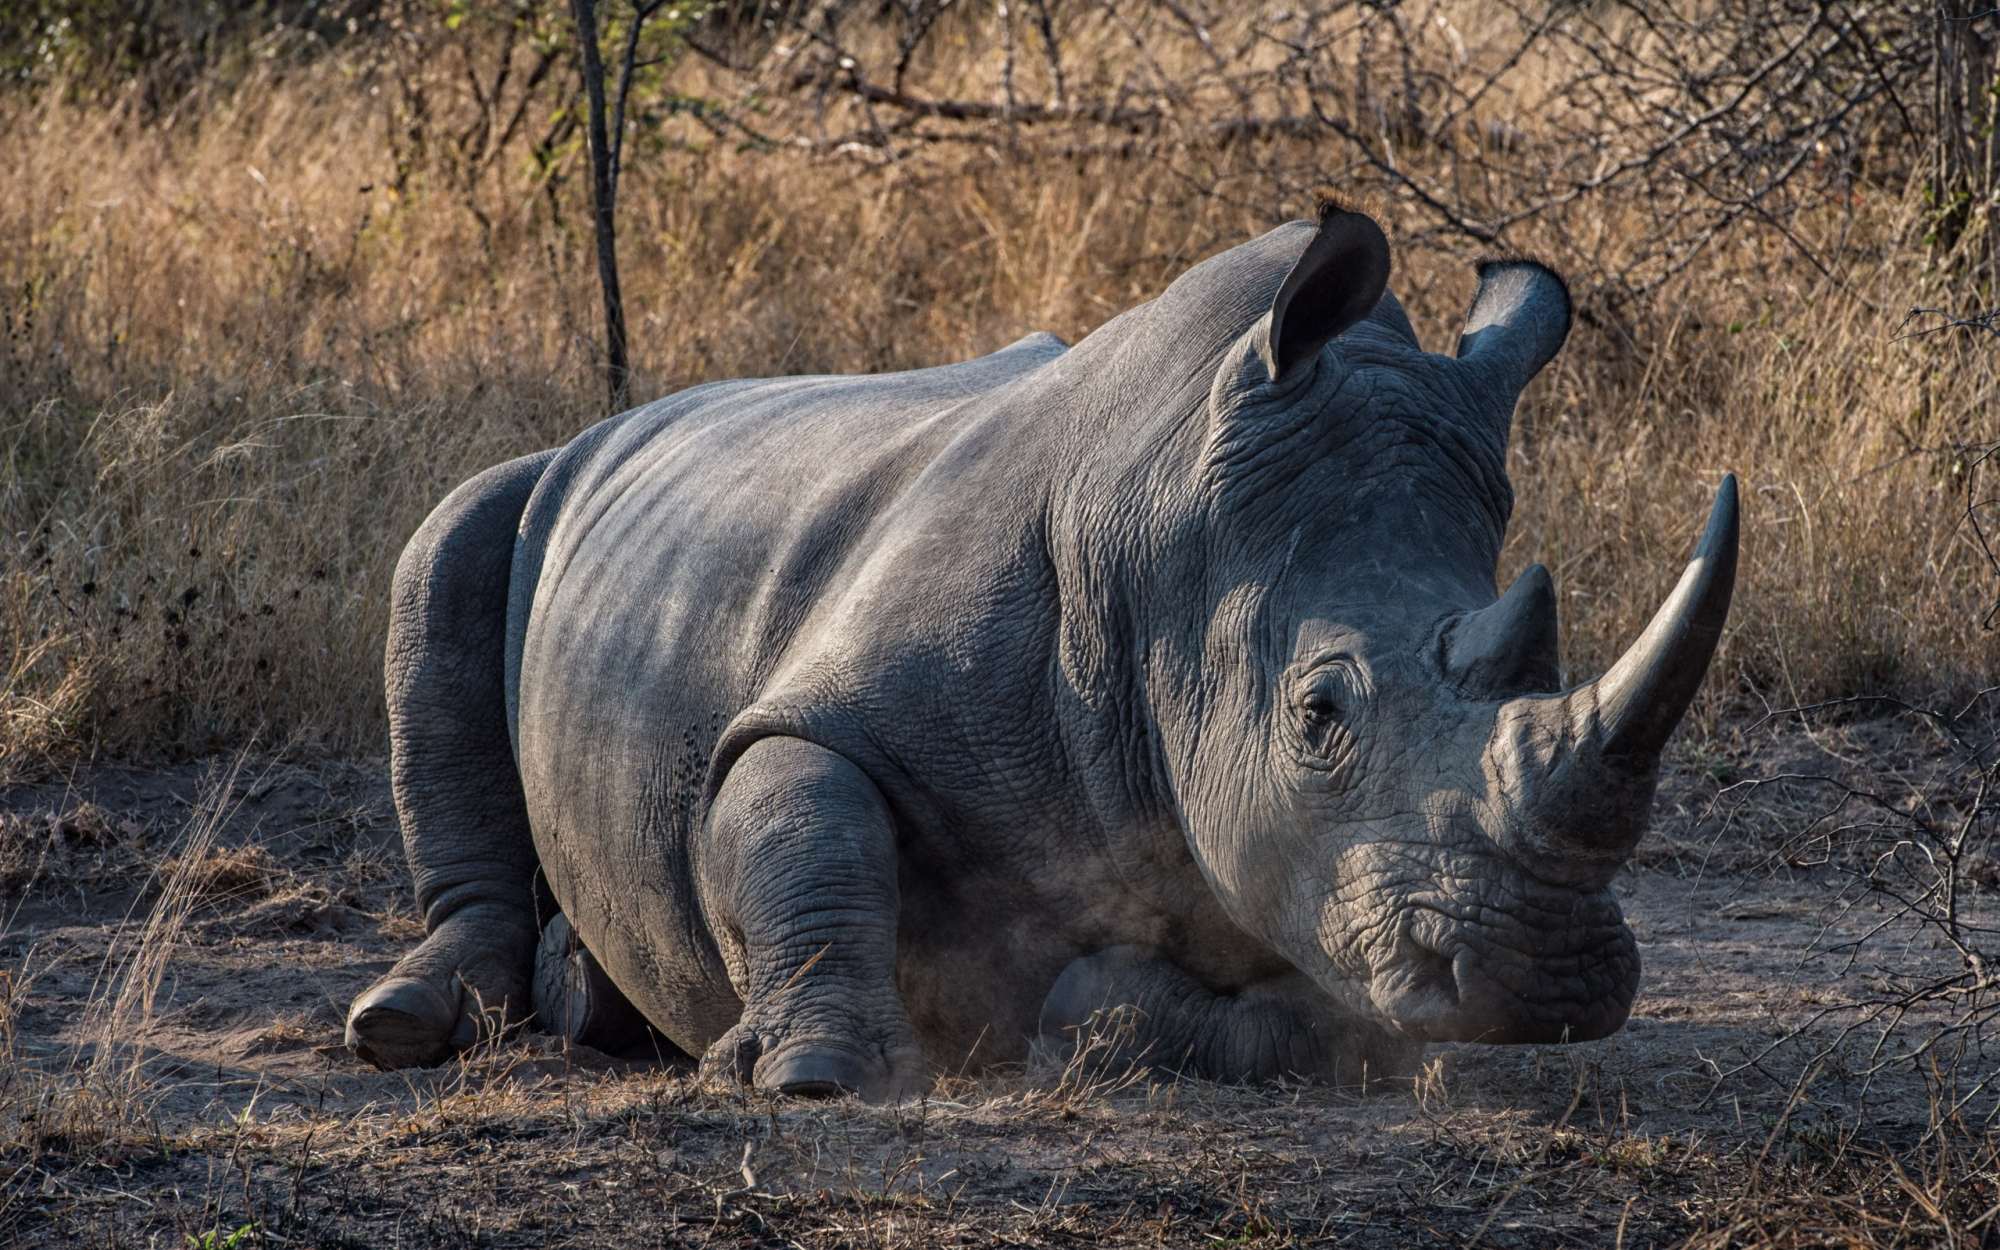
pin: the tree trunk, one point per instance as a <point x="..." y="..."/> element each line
<point x="1965" y="74"/>
<point x="604" y="200"/>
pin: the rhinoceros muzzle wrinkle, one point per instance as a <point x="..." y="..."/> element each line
<point x="1521" y="982"/>
<point x="1416" y="986"/>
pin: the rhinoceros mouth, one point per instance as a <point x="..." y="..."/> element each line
<point x="1451" y="980"/>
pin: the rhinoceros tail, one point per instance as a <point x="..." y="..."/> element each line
<point x="458" y="793"/>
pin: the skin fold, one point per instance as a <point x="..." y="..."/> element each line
<point x="1153" y="692"/>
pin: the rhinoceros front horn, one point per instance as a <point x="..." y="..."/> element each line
<point x="1644" y="695"/>
<point x="1574" y="773"/>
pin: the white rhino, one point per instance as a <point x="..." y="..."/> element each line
<point x="863" y="726"/>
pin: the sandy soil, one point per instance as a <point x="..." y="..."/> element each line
<point x="237" y="1108"/>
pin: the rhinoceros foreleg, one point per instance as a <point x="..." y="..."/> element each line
<point x="458" y="794"/>
<point x="798" y="875"/>
<point x="1128" y="1005"/>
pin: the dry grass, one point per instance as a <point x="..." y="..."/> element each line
<point x="252" y="338"/>
<point x="170" y="1068"/>
<point x="516" y="1147"/>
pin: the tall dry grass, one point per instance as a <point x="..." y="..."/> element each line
<point x="254" y="334"/>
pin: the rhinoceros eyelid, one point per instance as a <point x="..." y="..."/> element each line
<point x="1341" y="664"/>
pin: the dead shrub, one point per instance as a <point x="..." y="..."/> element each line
<point x="81" y="846"/>
<point x="230" y="875"/>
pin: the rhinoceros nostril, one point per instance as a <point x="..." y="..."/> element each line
<point x="1433" y="970"/>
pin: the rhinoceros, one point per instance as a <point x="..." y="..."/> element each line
<point x="862" y="727"/>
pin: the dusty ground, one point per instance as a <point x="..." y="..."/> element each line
<point x="234" y="1112"/>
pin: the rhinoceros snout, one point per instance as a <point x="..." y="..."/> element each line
<point x="1452" y="981"/>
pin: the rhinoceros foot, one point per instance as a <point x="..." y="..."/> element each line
<point x="409" y="1022"/>
<point x="574" y="998"/>
<point x="817" y="1067"/>
<point x="465" y="982"/>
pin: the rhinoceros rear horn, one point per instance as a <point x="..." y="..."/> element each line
<point x="1335" y="283"/>
<point x="1518" y="321"/>
<point x="1508" y="648"/>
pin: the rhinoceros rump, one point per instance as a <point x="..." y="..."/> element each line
<point x="863" y="726"/>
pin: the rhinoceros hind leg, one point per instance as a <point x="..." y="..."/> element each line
<point x="458" y="794"/>
<point x="1130" y="1006"/>
<point x="799" y="878"/>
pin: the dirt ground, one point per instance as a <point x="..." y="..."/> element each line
<point x="228" y="1114"/>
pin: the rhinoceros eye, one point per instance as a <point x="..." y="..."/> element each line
<point x="1320" y="705"/>
<point x="1325" y="702"/>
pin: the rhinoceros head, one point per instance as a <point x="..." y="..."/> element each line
<point x="1373" y="759"/>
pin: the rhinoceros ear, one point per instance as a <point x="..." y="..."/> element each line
<point x="1518" y="321"/>
<point x="1337" y="281"/>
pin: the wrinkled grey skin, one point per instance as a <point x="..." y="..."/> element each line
<point x="864" y="727"/>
